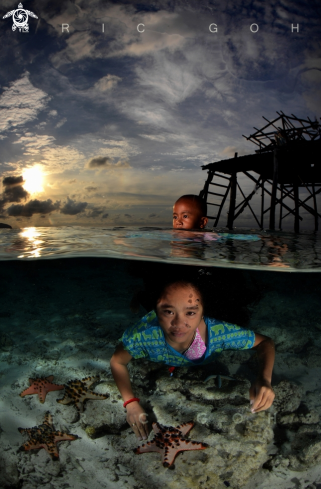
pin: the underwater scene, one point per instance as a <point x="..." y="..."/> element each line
<point x="67" y="296"/>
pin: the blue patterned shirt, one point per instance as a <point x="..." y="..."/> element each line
<point x="146" y="340"/>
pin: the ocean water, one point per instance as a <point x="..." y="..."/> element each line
<point x="67" y="294"/>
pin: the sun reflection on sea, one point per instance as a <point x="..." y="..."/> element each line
<point x="29" y="243"/>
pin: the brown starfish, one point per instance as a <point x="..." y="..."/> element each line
<point x="45" y="436"/>
<point x="76" y="391"/>
<point x="41" y="386"/>
<point x="170" y="441"/>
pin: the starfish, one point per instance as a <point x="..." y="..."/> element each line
<point x="41" y="386"/>
<point x="170" y="441"/>
<point x="45" y="436"/>
<point x="77" y="391"/>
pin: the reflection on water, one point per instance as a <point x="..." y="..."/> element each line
<point x="252" y="250"/>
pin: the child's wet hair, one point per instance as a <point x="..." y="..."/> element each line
<point x="176" y="284"/>
<point x="196" y="199"/>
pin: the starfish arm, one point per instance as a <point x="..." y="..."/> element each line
<point x="93" y="395"/>
<point x="28" y="431"/>
<point x="51" y="448"/>
<point x="88" y="381"/>
<point x="191" y="445"/>
<point x="30" y="390"/>
<point x="79" y="405"/>
<point x="59" y="436"/>
<point x="148" y="447"/>
<point x="55" y="387"/>
<point x="8" y="14"/>
<point x="157" y="428"/>
<point x="31" y="445"/>
<point x="65" y="400"/>
<point x="170" y="454"/>
<point x="185" y="427"/>
<point x="48" y="419"/>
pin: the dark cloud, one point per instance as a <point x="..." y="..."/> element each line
<point x="12" y="181"/>
<point x="13" y="191"/>
<point x="100" y="162"/>
<point x="15" y="194"/>
<point x="104" y="216"/>
<point x="72" y="208"/>
<point x="152" y="215"/>
<point x="106" y="162"/>
<point x="91" y="189"/>
<point x="94" y="212"/>
<point x="33" y="207"/>
<point x="127" y="215"/>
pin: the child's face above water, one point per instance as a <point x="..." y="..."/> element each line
<point x="179" y="313"/>
<point x="188" y="215"/>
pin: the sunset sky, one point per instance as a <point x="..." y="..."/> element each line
<point x="105" y="125"/>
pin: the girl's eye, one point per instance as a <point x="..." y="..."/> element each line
<point x="185" y="216"/>
<point x="191" y="313"/>
<point x="174" y="217"/>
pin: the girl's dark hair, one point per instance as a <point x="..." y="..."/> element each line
<point x="176" y="284"/>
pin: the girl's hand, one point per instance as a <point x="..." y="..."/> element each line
<point x="137" y="419"/>
<point x="261" y="395"/>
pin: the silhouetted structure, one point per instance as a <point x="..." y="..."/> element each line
<point x="287" y="159"/>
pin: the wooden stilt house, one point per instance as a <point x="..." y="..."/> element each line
<point x="285" y="169"/>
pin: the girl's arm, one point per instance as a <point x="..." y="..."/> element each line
<point x="261" y="392"/>
<point x="136" y="416"/>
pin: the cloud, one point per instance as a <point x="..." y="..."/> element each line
<point x="13" y="181"/>
<point x="61" y="123"/>
<point x="91" y="189"/>
<point x="94" y="212"/>
<point x="44" y="150"/>
<point x="33" y="207"/>
<point x="99" y="162"/>
<point x="128" y="215"/>
<point x="107" y="83"/>
<point x="72" y="208"/>
<point x="13" y="191"/>
<point x="20" y="103"/>
<point x="231" y="150"/>
<point x="104" y="216"/>
<point x="106" y="162"/>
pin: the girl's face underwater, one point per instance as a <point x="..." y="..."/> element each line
<point x="180" y="313"/>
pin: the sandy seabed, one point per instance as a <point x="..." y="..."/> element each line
<point x="64" y="317"/>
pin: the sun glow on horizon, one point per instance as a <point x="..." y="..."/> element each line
<point x="33" y="179"/>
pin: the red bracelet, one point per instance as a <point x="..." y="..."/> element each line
<point x="131" y="400"/>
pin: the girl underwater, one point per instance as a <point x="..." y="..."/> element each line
<point x="177" y="333"/>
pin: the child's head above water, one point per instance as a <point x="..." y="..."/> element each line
<point x="189" y="212"/>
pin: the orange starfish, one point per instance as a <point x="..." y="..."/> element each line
<point x="77" y="391"/>
<point x="41" y="386"/>
<point x="45" y="436"/>
<point x="170" y="441"/>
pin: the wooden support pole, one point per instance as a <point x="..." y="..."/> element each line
<point x="262" y="205"/>
<point x="296" y="203"/>
<point x="274" y="189"/>
<point x="203" y="193"/>
<point x="316" y="222"/>
<point x="233" y="182"/>
<point x="281" y="207"/>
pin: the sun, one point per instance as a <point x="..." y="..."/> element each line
<point x="33" y="178"/>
